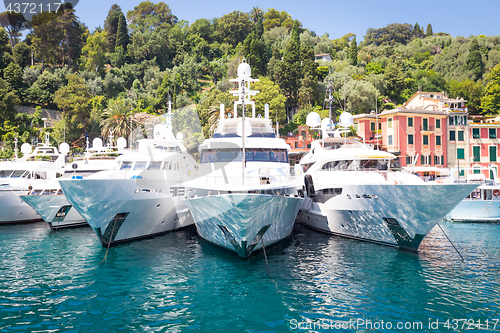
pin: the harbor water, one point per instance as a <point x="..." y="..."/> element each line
<point x="65" y="281"/>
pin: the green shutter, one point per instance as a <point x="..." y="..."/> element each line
<point x="452" y="135"/>
<point x="426" y="139"/>
<point x="475" y="133"/>
<point x="438" y="123"/>
<point x="460" y="135"/>
<point x="410" y="139"/>
<point x="425" y="124"/>
<point x="476" y="152"/>
<point x="460" y="154"/>
<point x="493" y="153"/>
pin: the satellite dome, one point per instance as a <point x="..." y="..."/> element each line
<point x="26" y="148"/>
<point x="121" y="143"/>
<point x="97" y="143"/>
<point x="64" y="148"/>
<point x="346" y="120"/>
<point x="313" y="119"/>
<point x="244" y="69"/>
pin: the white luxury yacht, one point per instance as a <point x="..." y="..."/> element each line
<point x="483" y="204"/>
<point x="48" y="199"/>
<point x="143" y="196"/>
<point x="19" y="176"/>
<point x="352" y="192"/>
<point x="245" y="199"/>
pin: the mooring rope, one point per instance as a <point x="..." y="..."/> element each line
<point x="450" y="242"/>
<point x="109" y="242"/>
<point x="265" y="256"/>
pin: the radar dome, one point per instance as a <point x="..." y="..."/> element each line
<point x="313" y="119"/>
<point x="326" y="124"/>
<point x="121" y="143"/>
<point x="64" y="148"/>
<point x="180" y="136"/>
<point x="97" y="143"/>
<point x="26" y="148"/>
<point x="244" y="69"/>
<point x="248" y="128"/>
<point x="346" y="120"/>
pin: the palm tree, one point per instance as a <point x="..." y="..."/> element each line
<point x="214" y="111"/>
<point x="118" y="119"/>
<point x="256" y="14"/>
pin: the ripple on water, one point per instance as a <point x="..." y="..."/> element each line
<point x="58" y="281"/>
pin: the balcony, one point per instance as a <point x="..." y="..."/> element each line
<point x="428" y="129"/>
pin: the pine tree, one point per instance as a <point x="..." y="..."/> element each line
<point x="352" y="55"/>
<point x="429" y="30"/>
<point x="474" y="61"/>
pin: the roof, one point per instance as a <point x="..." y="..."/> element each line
<point x="414" y="111"/>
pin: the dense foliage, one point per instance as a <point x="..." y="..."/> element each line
<point x="141" y="59"/>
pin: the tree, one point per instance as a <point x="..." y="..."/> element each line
<point x="94" y="52"/>
<point x="122" y="37"/>
<point x="291" y="72"/>
<point x="308" y="92"/>
<point x="352" y="54"/>
<point x="22" y="54"/>
<point x="256" y="14"/>
<point x="111" y="26"/>
<point x="392" y="34"/>
<point x="253" y="49"/>
<point x="73" y="32"/>
<point x="234" y="27"/>
<point x="491" y="99"/>
<point x="474" y="62"/>
<point x="46" y="35"/>
<point x="8" y="102"/>
<point x="12" y="22"/>
<point x="429" y="32"/>
<point x="271" y="94"/>
<point x="274" y="18"/>
<point x="152" y="15"/>
<point x="13" y="74"/>
<point x="74" y="100"/>
<point x="470" y="91"/>
<point x="394" y="76"/>
<point x="117" y="119"/>
<point x="43" y="90"/>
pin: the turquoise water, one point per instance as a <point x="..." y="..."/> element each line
<point x="60" y="282"/>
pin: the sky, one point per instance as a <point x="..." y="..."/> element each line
<point x="334" y="17"/>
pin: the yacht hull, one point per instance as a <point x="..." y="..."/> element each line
<point x="397" y="215"/>
<point x="475" y="211"/>
<point x="242" y="222"/>
<point x="15" y="210"/>
<point x="55" y="210"/>
<point x="120" y="210"/>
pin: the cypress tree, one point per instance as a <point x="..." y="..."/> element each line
<point x="291" y="72"/>
<point x="122" y="38"/>
<point x="111" y="26"/>
<point x="352" y="54"/>
<point x="429" y="30"/>
<point x="474" y="61"/>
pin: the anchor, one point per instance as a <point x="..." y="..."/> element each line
<point x="243" y="250"/>
<point x="404" y="240"/>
